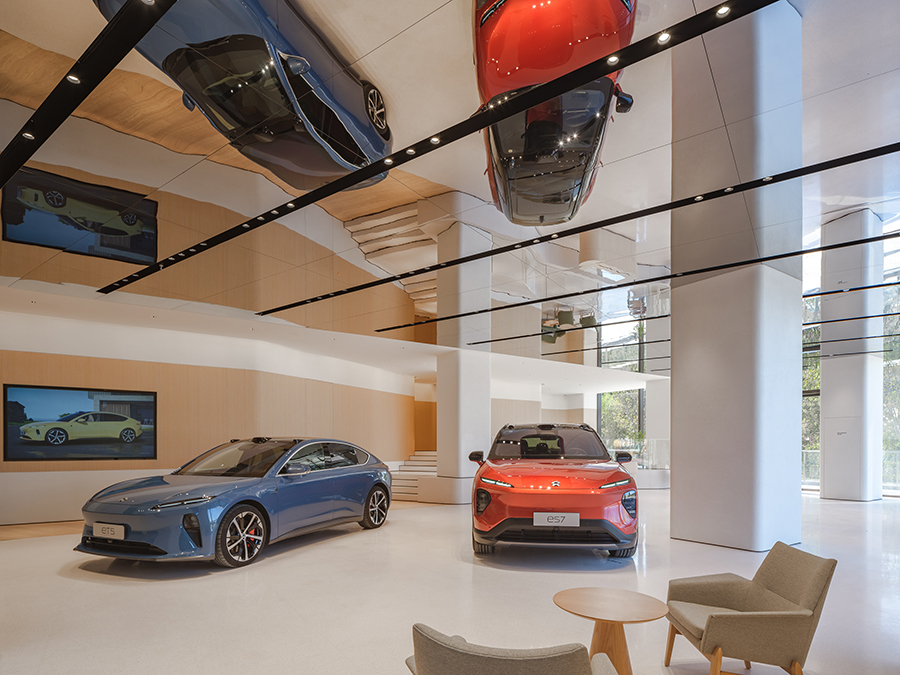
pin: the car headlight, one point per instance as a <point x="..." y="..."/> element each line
<point x="629" y="501"/>
<point x="615" y="484"/>
<point x="482" y="501"/>
<point x="181" y="502"/>
<point x="491" y="481"/>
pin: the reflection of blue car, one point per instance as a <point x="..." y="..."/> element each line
<point x="228" y="503"/>
<point x="271" y="85"/>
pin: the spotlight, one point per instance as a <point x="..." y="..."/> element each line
<point x="612" y="60"/>
<point x="698" y="198"/>
<point x="435" y="140"/>
<point x="73" y="78"/>
<point x="723" y="10"/>
<point x="388" y="161"/>
<point x="663" y="38"/>
<point x="410" y="151"/>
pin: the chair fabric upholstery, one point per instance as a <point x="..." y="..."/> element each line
<point x="439" y="654"/>
<point x="769" y="619"/>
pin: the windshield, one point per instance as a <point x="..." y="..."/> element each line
<point x="234" y="81"/>
<point x="69" y="417"/>
<point x="555" y="443"/>
<point x="241" y="458"/>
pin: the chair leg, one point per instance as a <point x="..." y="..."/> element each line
<point x="747" y="665"/>
<point x="795" y="669"/>
<point x="715" y="662"/>
<point x="671" y="643"/>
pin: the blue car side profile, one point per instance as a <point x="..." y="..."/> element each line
<point x="269" y="83"/>
<point x="229" y="503"/>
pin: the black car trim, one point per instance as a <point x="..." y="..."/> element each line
<point x="103" y="546"/>
<point x="491" y="10"/>
<point x="522" y="532"/>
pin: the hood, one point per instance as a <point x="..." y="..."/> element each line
<point x="572" y="475"/>
<point x="157" y="489"/>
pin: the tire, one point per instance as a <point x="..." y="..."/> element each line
<point x="623" y="553"/>
<point x="127" y="435"/>
<point x="376" y="508"/>
<point x="375" y="110"/>
<point x="241" y="537"/>
<point x="482" y="549"/>
<point x="56" y="436"/>
<point x="55" y="198"/>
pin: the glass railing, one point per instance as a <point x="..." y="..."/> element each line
<point x="648" y="453"/>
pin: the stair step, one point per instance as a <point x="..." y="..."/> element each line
<point x="425" y="470"/>
<point x="414" y="492"/>
<point x="420" y="461"/>
<point x="424" y="453"/>
<point x="405" y="498"/>
<point x="400" y="481"/>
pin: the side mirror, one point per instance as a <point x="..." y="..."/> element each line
<point x="622" y="457"/>
<point x="476" y="456"/>
<point x="188" y="102"/>
<point x="82" y="421"/>
<point x="297" y="469"/>
<point x="297" y="65"/>
<point x="623" y="101"/>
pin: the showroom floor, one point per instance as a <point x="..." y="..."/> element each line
<point x="343" y="600"/>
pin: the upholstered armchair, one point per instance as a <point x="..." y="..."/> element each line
<point x="439" y="654"/>
<point x="769" y="619"/>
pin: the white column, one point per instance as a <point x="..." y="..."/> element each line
<point x="851" y="399"/>
<point x="464" y="375"/>
<point x="736" y="336"/>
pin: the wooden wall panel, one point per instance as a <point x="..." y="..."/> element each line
<point x="426" y="425"/>
<point x="508" y="411"/>
<point x="199" y="407"/>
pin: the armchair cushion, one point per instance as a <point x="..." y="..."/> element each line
<point x="439" y="654"/>
<point x="693" y="617"/>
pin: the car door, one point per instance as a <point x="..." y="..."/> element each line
<point x="84" y="426"/>
<point x="304" y="498"/>
<point x="351" y="481"/>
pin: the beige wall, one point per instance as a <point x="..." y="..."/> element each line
<point x="508" y="411"/>
<point x="426" y="425"/>
<point x="573" y="416"/>
<point x="199" y="407"/>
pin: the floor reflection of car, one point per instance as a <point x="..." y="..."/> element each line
<point x="82" y="425"/>
<point x="553" y="485"/>
<point x="266" y="80"/>
<point x="543" y="161"/>
<point x="229" y="503"/>
<point x="75" y="212"/>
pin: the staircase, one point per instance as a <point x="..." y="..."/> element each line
<point x="405" y="481"/>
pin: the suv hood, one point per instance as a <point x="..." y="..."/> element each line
<point x="573" y="475"/>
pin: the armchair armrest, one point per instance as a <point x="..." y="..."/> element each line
<point x="601" y="665"/>
<point x="775" y="637"/>
<point x="717" y="590"/>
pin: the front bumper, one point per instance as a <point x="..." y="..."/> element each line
<point x="589" y="534"/>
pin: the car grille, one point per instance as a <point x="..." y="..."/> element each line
<point x="545" y="535"/>
<point x="121" y="546"/>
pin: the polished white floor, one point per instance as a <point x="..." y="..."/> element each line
<point x="343" y="600"/>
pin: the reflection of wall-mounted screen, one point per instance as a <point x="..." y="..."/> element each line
<point x="55" y="423"/>
<point x="48" y="210"/>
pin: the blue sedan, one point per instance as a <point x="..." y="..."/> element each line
<point x="228" y="503"/>
<point x="268" y="81"/>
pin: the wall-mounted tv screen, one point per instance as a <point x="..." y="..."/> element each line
<point x="44" y="209"/>
<point x="57" y="423"/>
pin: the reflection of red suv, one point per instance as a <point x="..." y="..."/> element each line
<point x="543" y="161"/>
<point x="553" y="485"/>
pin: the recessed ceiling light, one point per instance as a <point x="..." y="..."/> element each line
<point x="149" y="2"/>
<point x="28" y="135"/>
<point x="290" y="205"/>
<point x="518" y="246"/>
<point x="172" y="259"/>
<point x="410" y="151"/>
<point x="274" y="213"/>
<point x="536" y="241"/>
<point x="435" y="140"/>
<point x="181" y="255"/>
<point x="258" y="218"/>
<point x="698" y="198"/>
<point x="388" y="161"/>
<point x="246" y="225"/>
<point x="612" y="60"/>
<point x="203" y="243"/>
<point x="767" y="179"/>
<point x="729" y="189"/>
<point x="134" y="275"/>
<point x="73" y="79"/>
<point x="663" y="38"/>
<point x="192" y="250"/>
<point x="554" y="236"/>
<point x="723" y="10"/>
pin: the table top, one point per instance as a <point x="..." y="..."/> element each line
<point x="610" y="604"/>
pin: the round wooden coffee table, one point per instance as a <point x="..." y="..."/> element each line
<point x="610" y="609"/>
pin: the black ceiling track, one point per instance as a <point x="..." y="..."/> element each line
<point x="681" y="32"/>
<point x="130" y="24"/>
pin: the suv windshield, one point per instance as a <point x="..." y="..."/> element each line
<point x="234" y="81"/>
<point x="240" y="458"/>
<point x="554" y="443"/>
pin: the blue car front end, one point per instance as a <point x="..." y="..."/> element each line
<point x="156" y="519"/>
<point x="321" y="103"/>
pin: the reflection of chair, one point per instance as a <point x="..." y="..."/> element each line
<point x="770" y="619"/>
<point x="439" y="654"/>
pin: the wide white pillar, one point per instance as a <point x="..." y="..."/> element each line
<point x="851" y="398"/>
<point x="736" y="336"/>
<point x="463" y="375"/>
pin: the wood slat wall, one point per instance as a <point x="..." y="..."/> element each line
<point x="199" y="407"/>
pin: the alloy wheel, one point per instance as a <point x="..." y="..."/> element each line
<point x="375" y="109"/>
<point x="377" y="507"/>
<point x="245" y="536"/>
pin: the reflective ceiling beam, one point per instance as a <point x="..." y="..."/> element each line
<point x="683" y="31"/>
<point x="115" y="41"/>
<point x="665" y="277"/>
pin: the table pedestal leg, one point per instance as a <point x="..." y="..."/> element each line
<point x="609" y="638"/>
